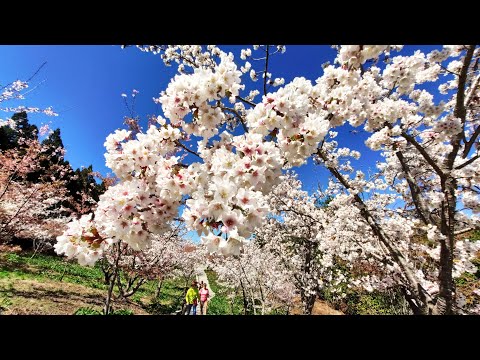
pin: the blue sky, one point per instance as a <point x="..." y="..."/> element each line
<point x="84" y="85"/>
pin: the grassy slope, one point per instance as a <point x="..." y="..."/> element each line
<point x="50" y="285"/>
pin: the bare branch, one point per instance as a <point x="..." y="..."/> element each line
<point x="239" y="117"/>
<point x="246" y="101"/>
<point x="424" y="153"/>
<point x="187" y="149"/>
<point x="468" y="162"/>
<point x="460" y="110"/>
<point x="265" y="78"/>
<point x="36" y="72"/>
<point x="420" y="206"/>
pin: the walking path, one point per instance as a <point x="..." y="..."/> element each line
<point x="202" y="276"/>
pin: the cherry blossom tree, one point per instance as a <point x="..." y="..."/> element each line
<point x="188" y="258"/>
<point x="15" y="92"/>
<point x="30" y="209"/>
<point x="332" y="249"/>
<point x="130" y="269"/>
<point x="158" y="262"/>
<point x="294" y="235"/>
<point x="27" y="208"/>
<point x="430" y="150"/>
<point x="194" y="158"/>
<point x="259" y="275"/>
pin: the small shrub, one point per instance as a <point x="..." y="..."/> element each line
<point x="91" y="311"/>
<point x="122" y="312"/>
<point x="87" y="311"/>
<point x="475" y="235"/>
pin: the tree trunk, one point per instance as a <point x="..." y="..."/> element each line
<point x="252" y="295"/>
<point x="416" y="309"/>
<point x="308" y="302"/>
<point x="232" y="301"/>
<point x="245" y="303"/>
<point x="106" y="310"/>
<point x="159" y="287"/>
<point x="445" y="300"/>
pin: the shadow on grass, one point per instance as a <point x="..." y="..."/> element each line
<point x="6" y="265"/>
<point x="58" y="296"/>
<point x="170" y="301"/>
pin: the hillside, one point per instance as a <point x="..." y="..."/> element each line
<point x="49" y="285"/>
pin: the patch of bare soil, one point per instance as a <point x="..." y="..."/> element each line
<point x="28" y="296"/>
<point x="322" y="308"/>
<point x="319" y="308"/>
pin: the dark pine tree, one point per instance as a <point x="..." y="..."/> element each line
<point x="52" y="162"/>
<point x="9" y="137"/>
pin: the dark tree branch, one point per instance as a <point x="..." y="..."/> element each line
<point x="246" y="101"/>
<point x="451" y="72"/>
<point x="239" y="117"/>
<point x="265" y="78"/>
<point x="476" y="133"/>
<point x="469" y="144"/>
<point x="424" y="153"/>
<point x="187" y="149"/>
<point x="414" y="190"/>
<point x="36" y="72"/>
<point x="460" y="110"/>
<point x="468" y="162"/>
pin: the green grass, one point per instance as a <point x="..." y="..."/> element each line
<point x="170" y="299"/>
<point x="221" y="303"/>
<point x="5" y="302"/>
<point x="91" y="311"/>
<point x="50" y="267"/>
<point x="54" y="268"/>
<point x="475" y="235"/>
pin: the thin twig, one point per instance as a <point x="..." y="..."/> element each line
<point x="187" y="149"/>
<point x="246" y="101"/>
<point x="237" y="115"/>
<point x="36" y="72"/>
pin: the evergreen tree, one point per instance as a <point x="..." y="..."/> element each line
<point x="23" y="127"/>
<point x="52" y="161"/>
<point x="9" y="137"/>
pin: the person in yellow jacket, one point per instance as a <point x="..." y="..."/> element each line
<point x="191" y="298"/>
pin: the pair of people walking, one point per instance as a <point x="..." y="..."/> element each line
<point x="194" y="295"/>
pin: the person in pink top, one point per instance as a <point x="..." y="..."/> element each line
<point x="204" y="299"/>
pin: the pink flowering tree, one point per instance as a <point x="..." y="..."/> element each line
<point x="331" y="249"/>
<point x="188" y="259"/>
<point x="15" y="92"/>
<point x="430" y="149"/>
<point x="194" y="158"/>
<point x="129" y="269"/>
<point x="294" y="235"/>
<point x="30" y="208"/>
<point x="259" y="276"/>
